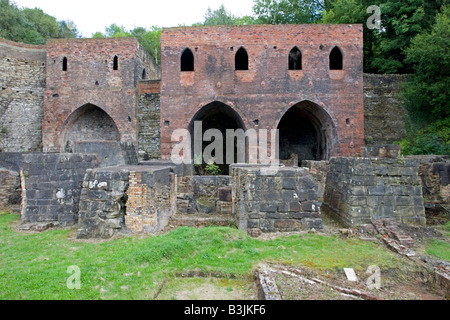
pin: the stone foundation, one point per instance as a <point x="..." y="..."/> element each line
<point x="285" y="200"/>
<point x="359" y="190"/>
<point x="50" y="184"/>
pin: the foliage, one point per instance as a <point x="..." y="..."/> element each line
<point x="32" y="25"/>
<point x="426" y="90"/>
<point x="289" y="11"/>
<point x="149" y="39"/>
<point x="212" y="169"/>
<point x="219" y="17"/>
<point x="433" y="140"/>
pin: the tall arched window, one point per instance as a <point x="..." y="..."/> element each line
<point x="241" y="59"/>
<point x="336" y="59"/>
<point x="116" y="63"/>
<point x="64" y="65"/>
<point x="295" y="59"/>
<point x="187" y="60"/>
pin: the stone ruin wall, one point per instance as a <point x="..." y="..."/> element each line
<point x="22" y="86"/>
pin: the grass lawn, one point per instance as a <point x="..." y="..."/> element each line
<point x="34" y="265"/>
<point x="441" y="248"/>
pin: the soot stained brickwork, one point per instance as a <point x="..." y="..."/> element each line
<point x="330" y="100"/>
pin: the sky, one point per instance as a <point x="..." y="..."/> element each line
<point x="91" y="16"/>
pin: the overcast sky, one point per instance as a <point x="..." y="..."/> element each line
<point x="91" y="16"/>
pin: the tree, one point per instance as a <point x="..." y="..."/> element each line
<point x="401" y="21"/>
<point x="149" y="39"/>
<point x="219" y="17"/>
<point x="32" y="26"/>
<point x="427" y="90"/>
<point x="289" y="11"/>
<point x="12" y="22"/>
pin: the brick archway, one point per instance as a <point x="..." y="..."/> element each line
<point x="220" y="116"/>
<point x="89" y="129"/>
<point x="308" y="131"/>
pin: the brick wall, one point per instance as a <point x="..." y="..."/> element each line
<point x="22" y="83"/>
<point x="90" y="79"/>
<point x="263" y="94"/>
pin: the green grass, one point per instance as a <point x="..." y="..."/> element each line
<point x="34" y="266"/>
<point x="441" y="248"/>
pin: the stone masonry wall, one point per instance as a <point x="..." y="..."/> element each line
<point x="22" y="85"/>
<point x="126" y="199"/>
<point x="10" y="191"/>
<point x="50" y="184"/>
<point x="385" y="114"/>
<point x="361" y="189"/>
<point x="148" y="117"/>
<point x="203" y="195"/>
<point x="285" y="200"/>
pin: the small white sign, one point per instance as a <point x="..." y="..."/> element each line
<point x="351" y="275"/>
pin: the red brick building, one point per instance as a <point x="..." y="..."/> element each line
<point x="91" y="95"/>
<point x="306" y="80"/>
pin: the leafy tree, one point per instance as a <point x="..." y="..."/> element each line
<point x="32" y="25"/>
<point x="149" y="39"/>
<point x="12" y="22"/>
<point x="427" y="90"/>
<point x="219" y="17"/>
<point x="289" y="11"/>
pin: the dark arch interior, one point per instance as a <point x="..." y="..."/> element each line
<point x="295" y="59"/>
<point x="219" y="116"/>
<point x="241" y="59"/>
<point x="187" y="60"/>
<point x="305" y="131"/>
<point x="89" y="129"/>
<point x="336" y="59"/>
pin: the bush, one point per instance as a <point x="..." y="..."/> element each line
<point x="433" y="140"/>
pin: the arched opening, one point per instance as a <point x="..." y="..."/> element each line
<point x="89" y="129"/>
<point x="241" y="59"/>
<point x="295" y="59"/>
<point x="336" y="59"/>
<point x="187" y="61"/>
<point x="306" y="132"/>
<point x="64" y="64"/>
<point x="116" y="63"/>
<point x="220" y="117"/>
<point x="144" y="75"/>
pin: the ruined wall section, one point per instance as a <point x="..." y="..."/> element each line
<point x="385" y="115"/>
<point x="50" y="184"/>
<point x="361" y="189"/>
<point x="265" y="92"/>
<point x="22" y="85"/>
